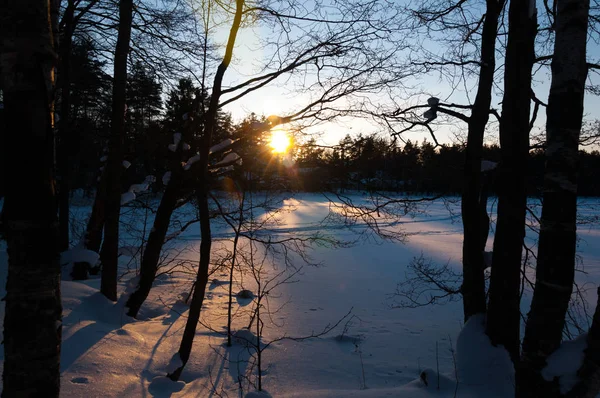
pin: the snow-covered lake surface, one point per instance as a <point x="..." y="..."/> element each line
<point x="375" y="351"/>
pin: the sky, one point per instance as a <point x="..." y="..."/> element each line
<point x="276" y="98"/>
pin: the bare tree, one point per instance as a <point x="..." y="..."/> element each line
<point x="202" y="196"/>
<point x="32" y="326"/>
<point x="66" y="137"/>
<point x="504" y="313"/>
<point x="557" y="243"/>
<point x="346" y="62"/>
<point x="473" y="204"/>
<point x="110" y="247"/>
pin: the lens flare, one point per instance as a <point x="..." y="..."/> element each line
<point x="280" y="141"/>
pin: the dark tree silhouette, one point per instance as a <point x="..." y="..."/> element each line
<point x="112" y="172"/>
<point x="32" y="327"/>
<point x="557" y="242"/>
<point x="504" y="315"/>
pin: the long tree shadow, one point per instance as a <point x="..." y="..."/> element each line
<point x="100" y="318"/>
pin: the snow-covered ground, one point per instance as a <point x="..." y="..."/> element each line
<point x="374" y="351"/>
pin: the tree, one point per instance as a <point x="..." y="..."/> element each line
<point x="462" y="51"/>
<point x="144" y="106"/>
<point x="32" y="326"/>
<point x="504" y="313"/>
<point x="557" y="242"/>
<point x="110" y="246"/>
<point x="202" y="197"/>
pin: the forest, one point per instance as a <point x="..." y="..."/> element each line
<point x="168" y="176"/>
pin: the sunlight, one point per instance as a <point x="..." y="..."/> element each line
<point x="280" y="141"/>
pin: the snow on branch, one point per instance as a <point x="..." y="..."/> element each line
<point x="191" y="161"/>
<point x="130" y="195"/>
<point x="176" y="140"/>
<point x="221" y="146"/>
<point x="231" y="157"/>
<point x="487" y="165"/>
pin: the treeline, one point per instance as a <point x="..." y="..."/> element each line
<point x="375" y="163"/>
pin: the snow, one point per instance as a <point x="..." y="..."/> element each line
<point x="390" y="351"/>
<point x="166" y="178"/>
<point x="487" y="165"/>
<point x="176" y="138"/>
<point x="127" y="197"/>
<point x="565" y="362"/>
<point x="130" y="195"/>
<point x="135" y="188"/>
<point x="221" y="145"/>
<point x="231" y="157"/>
<point x="79" y="255"/>
<point x="483" y="368"/>
<point x="191" y="161"/>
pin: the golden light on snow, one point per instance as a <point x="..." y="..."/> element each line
<point x="280" y="141"/>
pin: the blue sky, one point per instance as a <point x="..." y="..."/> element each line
<point x="279" y="99"/>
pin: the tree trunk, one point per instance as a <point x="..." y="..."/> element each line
<point x="32" y="328"/>
<point x="93" y="232"/>
<point x="174" y="190"/>
<point x="473" y="288"/>
<point x="156" y="239"/>
<point x="589" y="373"/>
<point x="504" y="316"/>
<point x="210" y="122"/>
<point x="187" y="340"/>
<point x="114" y="165"/>
<point x="65" y="140"/>
<point x="557" y="242"/>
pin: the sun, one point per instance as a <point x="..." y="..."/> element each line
<point x="280" y="141"/>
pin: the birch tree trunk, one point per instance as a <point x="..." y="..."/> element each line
<point x="32" y="327"/>
<point x="557" y="241"/>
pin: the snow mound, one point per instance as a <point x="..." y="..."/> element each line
<point x="565" y="362"/>
<point x="483" y="368"/>
<point x="79" y="255"/>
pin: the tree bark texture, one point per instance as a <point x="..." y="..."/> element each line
<point x="205" y="245"/>
<point x="504" y="316"/>
<point x="473" y="288"/>
<point x="32" y="326"/>
<point x="557" y="241"/>
<point x="110" y="246"/>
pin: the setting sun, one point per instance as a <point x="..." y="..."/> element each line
<point x="280" y="141"/>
